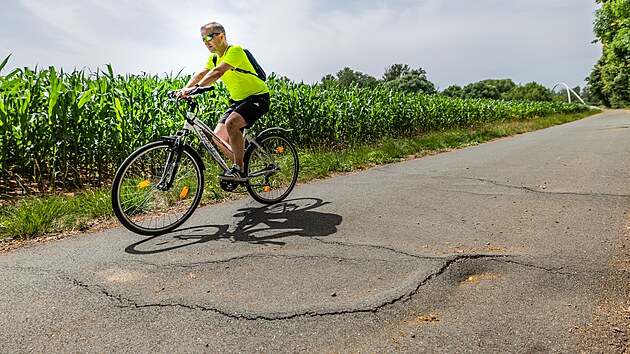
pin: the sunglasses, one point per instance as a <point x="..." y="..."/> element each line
<point x="209" y="37"/>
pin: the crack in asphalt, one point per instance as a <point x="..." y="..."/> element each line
<point x="266" y="255"/>
<point x="502" y="184"/>
<point x="448" y="261"/>
<point x="533" y="190"/>
<point x="126" y="302"/>
<point x="255" y="255"/>
<point x="550" y="270"/>
<point x="379" y="247"/>
<point x="118" y="298"/>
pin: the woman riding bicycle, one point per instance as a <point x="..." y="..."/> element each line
<point x="249" y="95"/>
<point x="159" y="186"/>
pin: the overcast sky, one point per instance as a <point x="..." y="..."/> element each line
<point x="455" y="41"/>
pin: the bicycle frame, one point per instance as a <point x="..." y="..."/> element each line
<point x="196" y="125"/>
<point x="199" y="127"/>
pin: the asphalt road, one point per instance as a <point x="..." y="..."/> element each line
<point x="514" y="246"/>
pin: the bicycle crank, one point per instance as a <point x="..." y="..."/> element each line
<point x="228" y="186"/>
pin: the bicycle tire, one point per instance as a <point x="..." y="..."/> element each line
<point x="147" y="210"/>
<point x="271" y="181"/>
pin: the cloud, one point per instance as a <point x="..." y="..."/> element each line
<point x="455" y="41"/>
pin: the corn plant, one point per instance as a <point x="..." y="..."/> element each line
<point x="63" y="130"/>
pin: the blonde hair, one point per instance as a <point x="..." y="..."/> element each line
<point x="213" y="27"/>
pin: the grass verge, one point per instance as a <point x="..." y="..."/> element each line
<point x="33" y="217"/>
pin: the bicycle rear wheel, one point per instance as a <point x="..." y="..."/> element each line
<point x="141" y="197"/>
<point x="272" y="168"/>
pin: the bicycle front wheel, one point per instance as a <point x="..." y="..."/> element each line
<point x="272" y="167"/>
<point x="142" y="197"/>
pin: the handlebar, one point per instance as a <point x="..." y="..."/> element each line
<point x="194" y="93"/>
<point x="192" y="105"/>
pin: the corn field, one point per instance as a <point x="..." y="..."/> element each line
<point x="66" y="130"/>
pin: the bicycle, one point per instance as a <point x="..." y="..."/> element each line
<point x="159" y="186"/>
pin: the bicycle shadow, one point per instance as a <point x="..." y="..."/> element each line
<point x="263" y="225"/>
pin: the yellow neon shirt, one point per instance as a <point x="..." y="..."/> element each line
<point x="240" y="85"/>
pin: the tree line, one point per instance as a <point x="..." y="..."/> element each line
<point x="398" y="76"/>
<point x="608" y="83"/>
<point x="402" y="77"/>
<point x="610" y="78"/>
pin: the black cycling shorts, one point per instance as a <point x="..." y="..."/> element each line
<point x="251" y="108"/>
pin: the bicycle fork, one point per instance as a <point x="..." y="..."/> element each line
<point x="172" y="161"/>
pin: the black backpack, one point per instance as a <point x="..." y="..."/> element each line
<point x="260" y="73"/>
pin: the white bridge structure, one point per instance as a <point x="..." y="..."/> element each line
<point x="569" y="92"/>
